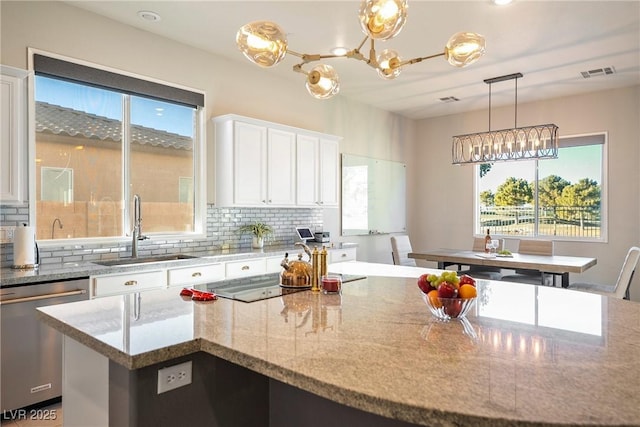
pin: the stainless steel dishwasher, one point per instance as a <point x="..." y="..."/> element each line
<point x="31" y="351"/>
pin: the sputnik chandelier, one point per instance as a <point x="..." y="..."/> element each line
<point x="264" y="43"/>
<point x="517" y="143"/>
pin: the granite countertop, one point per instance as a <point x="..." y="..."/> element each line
<point x="528" y="355"/>
<point x="76" y="270"/>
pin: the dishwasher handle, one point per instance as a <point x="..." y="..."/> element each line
<point x="44" y="296"/>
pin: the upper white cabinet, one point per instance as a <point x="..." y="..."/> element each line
<point x="318" y="171"/>
<point x="265" y="164"/>
<point x="13" y="134"/>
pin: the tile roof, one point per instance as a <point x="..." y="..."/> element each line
<point x="60" y="120"/>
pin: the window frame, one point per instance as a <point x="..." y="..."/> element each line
<point x="604" y="204"/>
<point x="199" y="160"/>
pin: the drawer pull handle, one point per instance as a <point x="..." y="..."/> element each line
<point x="196" y="274"/>
<point x="343" y="255"/>
<point x="130" y="282"/>
<point x="245" y="267"/>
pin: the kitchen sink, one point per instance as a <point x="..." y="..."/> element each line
<point x="144" y="260"/>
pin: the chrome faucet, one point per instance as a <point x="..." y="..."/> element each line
<point x="137" y="226"/>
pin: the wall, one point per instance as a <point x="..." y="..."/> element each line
<point x="450" y="199"/>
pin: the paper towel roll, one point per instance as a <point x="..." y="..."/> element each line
<point x="24" y="247"/>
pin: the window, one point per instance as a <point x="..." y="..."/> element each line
<point x="102" y="137"/>
<point x="559" y="198"/>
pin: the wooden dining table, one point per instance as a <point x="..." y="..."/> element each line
<point x="557" y="265"/>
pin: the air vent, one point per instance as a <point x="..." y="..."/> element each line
<point x="449" y="99"/>
<point x="598" y="72"/>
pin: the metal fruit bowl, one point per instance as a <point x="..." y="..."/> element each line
<point x="448" y="308"/>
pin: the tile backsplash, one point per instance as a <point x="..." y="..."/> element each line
<point x="222" y="226"/>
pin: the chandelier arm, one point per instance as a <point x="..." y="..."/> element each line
<point x="416" y="60"/>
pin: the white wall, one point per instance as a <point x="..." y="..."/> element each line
<point x="441" y="214"/>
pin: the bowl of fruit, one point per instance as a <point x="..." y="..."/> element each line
<point x="447" y="295"/>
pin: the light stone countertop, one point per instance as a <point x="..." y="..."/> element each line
<point x="528" y="355"/>
<point x="77" y="270"/>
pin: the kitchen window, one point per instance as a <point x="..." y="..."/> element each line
<point x="561" y="199"/>
<point x="102" y="137"/>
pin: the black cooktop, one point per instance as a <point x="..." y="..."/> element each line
<point x="250" y="289"/>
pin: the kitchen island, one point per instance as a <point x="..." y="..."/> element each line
<point x="528" y="355"/>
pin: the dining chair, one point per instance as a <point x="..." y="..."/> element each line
<point x="622" y="287"/>
<point x="400" y="248"/>
<point x="532" y="247"/>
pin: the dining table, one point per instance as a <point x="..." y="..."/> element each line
<point x="556" y="265"/>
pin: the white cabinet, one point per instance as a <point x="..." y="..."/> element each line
<point x="13" y="135"/>
<point x="264" y="164"/>
<point x="342" y="255"/>
<point x="195" y="274"/>
<point x="124" y="283"/>
<point x="255" y="165"/>
<point x="318" y="171"/>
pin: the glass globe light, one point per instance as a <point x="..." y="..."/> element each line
<point x="262" y="42"/>
<point x="382" y="19"/>
<point x="323" y="82"/>
<point x="464" y="49"/>
<point x="388" y="64"/>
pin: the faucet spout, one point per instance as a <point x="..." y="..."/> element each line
<point x="136" y="234"/>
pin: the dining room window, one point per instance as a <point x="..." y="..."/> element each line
<point x="562" y="198"/>
<point x="102" y="137"/>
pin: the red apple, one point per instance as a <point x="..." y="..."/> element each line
<point x="424" y="284"/>
<point x="468" y="280"/>
<point x="447" y="290"/>
<point x="453" y="307"/>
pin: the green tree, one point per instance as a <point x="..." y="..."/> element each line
<point x="582" y="195"/>
<point x="487" y="198"/>
<point x="484" y="169"/>
<point x="514" y="192"/>
<point x="549" y="193"/>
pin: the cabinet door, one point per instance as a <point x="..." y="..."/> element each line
<point x="307" y="170"/>
<point x="249" y="164"/>
<point x="12" y="139"/>
<point x="329" y="172"/>
<point x="281" y="168"/>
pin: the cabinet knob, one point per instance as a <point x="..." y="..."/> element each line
<point x="245" y="267"/>
<point x="130" y="282"/>
<point x="196" y="274"/>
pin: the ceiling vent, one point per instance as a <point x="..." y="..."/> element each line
<point x="598" y="72"/>
<point x="449" y="99"/>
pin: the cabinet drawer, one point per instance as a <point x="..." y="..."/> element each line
<point x="245" y="268"/>
<point x="273" y="264"/>
<point x="342" y="255"/>
<point x="118" y="284"/>
<point x="193" y="275"/>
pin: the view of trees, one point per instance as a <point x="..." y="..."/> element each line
<point x="559" y="201"/>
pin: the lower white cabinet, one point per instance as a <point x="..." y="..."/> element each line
<point x="245" y="268"/>
<point x="342" y="255"/>
<point x="124" y="283"/>
<point x="194" y="275"/>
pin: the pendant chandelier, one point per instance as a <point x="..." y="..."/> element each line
<point x="264" y="43"/>
<point x="524" y="143"/>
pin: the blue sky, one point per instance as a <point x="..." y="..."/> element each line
<point x="144" y="111"/>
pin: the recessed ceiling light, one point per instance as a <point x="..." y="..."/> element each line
<point x="147" y="15"/>
<point x="501" y="2"/>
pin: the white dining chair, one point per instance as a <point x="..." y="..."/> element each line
<point x="534" y="277"/>
<point x="622" y="287"/>
<point x="400" y="248"/>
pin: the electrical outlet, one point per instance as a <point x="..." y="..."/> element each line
<point x="174" y="376"/>
<point x="6" y="233"/>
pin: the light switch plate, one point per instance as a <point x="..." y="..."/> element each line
<point x="6" y="233"/>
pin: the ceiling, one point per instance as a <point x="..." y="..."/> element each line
<point x="550" y="42"/>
